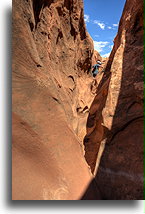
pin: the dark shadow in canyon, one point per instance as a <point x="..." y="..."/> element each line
<point x="38" y="5"/>
<point x="119" y="179"/>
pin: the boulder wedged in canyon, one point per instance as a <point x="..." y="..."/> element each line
<point x="52" y="92"/>
<point x="116" y="115"/>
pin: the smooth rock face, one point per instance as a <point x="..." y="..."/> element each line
<point x="52" y="92"/>
<point x="116" y="115"/>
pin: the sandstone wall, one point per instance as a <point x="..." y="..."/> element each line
<point x="52" y="55"/>
<point x="116" y="114"/>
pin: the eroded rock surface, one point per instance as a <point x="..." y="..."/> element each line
<point x="52" y="56"/>
<point x="116" y="114"/>
<point x="52" y="93"/>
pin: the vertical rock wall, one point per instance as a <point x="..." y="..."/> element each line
<point x="51" y="90"/>
<point x="116" y="115"/>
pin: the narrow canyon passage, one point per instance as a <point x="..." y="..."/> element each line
<point x="75" y="137"/>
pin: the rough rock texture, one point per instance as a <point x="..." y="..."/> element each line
<point x="52" y="92"/>
<point x="116" y="115"/>
<point x="96" y="56"/>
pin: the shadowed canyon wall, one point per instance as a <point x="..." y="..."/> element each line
<point x="116" y="115"/>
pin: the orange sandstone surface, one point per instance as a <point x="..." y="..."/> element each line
<point x="63" y="118"/>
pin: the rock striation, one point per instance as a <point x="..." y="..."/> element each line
<point x="52" y="92"/>
<point x="115" y="119"/>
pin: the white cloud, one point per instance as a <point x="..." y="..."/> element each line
<point x="87" y="18"/>
<point x="111" y="28"/>
<point x="98" y="46"/>
<point x="100" y="24"/>
<point x="96" y="36"/>
<point x="111" y="46"/>
<point x="115" y="25"/>
<point x="106" y="55"/>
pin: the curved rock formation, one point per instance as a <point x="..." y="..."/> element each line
<point x="52" y="93"/>
<point x="52" y="55"/>
<point x="116" y="115"/>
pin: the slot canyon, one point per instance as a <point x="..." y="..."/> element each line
<point x="75" y="137"/>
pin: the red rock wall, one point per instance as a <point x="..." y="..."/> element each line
<point x="116" y="114"/>
<point x="51" y="57"/>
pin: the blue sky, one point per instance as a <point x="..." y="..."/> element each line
<point x="102" y="18"/>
